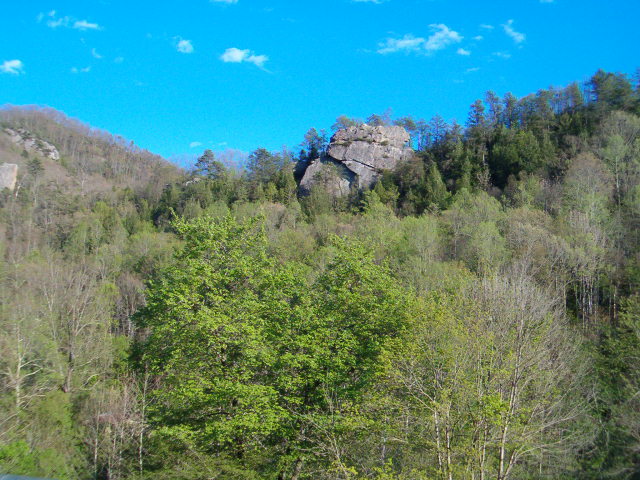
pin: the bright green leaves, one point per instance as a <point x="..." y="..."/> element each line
<point x="248" y="353"/>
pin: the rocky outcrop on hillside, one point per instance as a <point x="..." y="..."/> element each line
<point x="8" y="176"/>
<point x="356" y="157"/>
<point x="32" y="144"/>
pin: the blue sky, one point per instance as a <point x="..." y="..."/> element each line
<point x="180" y="76"/>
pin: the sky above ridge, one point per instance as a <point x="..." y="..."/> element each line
<point x="177" y="77"/>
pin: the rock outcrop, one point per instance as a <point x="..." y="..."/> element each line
<point x="32" y="144"/>
<point x="8" y="176"/>
<point x="356" y="157"/>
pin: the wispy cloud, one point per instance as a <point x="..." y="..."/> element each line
<point x="12" y="67"/>
<point x="84" y="25"/>
<point x="59" y="22"/>
<point x="67" y="22"/>
<point x="463" y="52"/>
<point x="478" y="38"/>
<point x="486" y="26"/>
<point x="236" y="55"/>
<point x="510" y="31"/>
<point x="195" y="144"/>
<point x="472" y="70"/>
<point x="80" y="70"/>
<point x="440" y="38"/>
<point x="505" y="55"/>
<point x="408" y="43"/>
<point x="184" y="46"/>
<point x="377" y="2"/>
<point x="95" y="54"/>
<point x="224" y="1"/>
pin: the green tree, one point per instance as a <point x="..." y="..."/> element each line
<point x="272" y="362"/>
<point x="208" y="166"/>
<point x="435" y="189"/>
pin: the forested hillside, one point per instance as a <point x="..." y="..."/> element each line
<point x="474" y="315"/>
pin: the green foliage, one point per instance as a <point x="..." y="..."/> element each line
<point x="282" y="338"/>
<point x="268" y="355"/>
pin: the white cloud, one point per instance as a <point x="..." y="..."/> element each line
<point x="80" y="70"/>
<point x="95" y="54"/>
<point x="195" y="144"/>
<point x="184" y="46"/>
<point x="463" y="52"/>
<point x="84" y="25"/>
<point x="487" y="27"/>
<point x="408" y="43"/>
<point x="441" y="38"/>
<point x="41" y="15"/>
<point x="478" y="38"/>
<point x="505" y="55"/>
<point x="59" y="22"/>
<point x="236" y="55"/>
<point x="68" y="22"/>
<point x="516" y="36"/>
<point x="13" y="67"/>
<point x="472" y="70"/>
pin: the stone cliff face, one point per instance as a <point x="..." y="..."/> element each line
<point x="8" y="175"/>
<point x="356" y="157"/>
<point x="31" y="144"/>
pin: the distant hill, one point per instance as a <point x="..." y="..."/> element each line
<point x="91" y="161"/>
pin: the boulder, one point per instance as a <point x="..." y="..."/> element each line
<point x="8" y="176"/>
<point x="360" y="154"/>
<point x="333" y="176"/>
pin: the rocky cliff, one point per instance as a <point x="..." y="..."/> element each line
<point x="356" y="157"/>
<point x="8" y="175"/>
<point x="31" y="144"/>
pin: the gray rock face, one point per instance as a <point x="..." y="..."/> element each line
<point x="8" y="176"/>
<point x="363" y="152"/>
<point x="333" y="176"/>
<point x="31" y="144"/>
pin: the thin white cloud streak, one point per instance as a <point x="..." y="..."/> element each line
<point x="68" y="22"/>
<point x="463" y="52"/>
<point x="195" y="144"/>
<point x="80" y="70"/>
<point x="237" y="55"/>
<point x="408" y="43"/>
<point x="12" y="67"/>
<point x="517" y="37"/>
<point x="95" y="54"/>
<point x="84" y="25"/>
